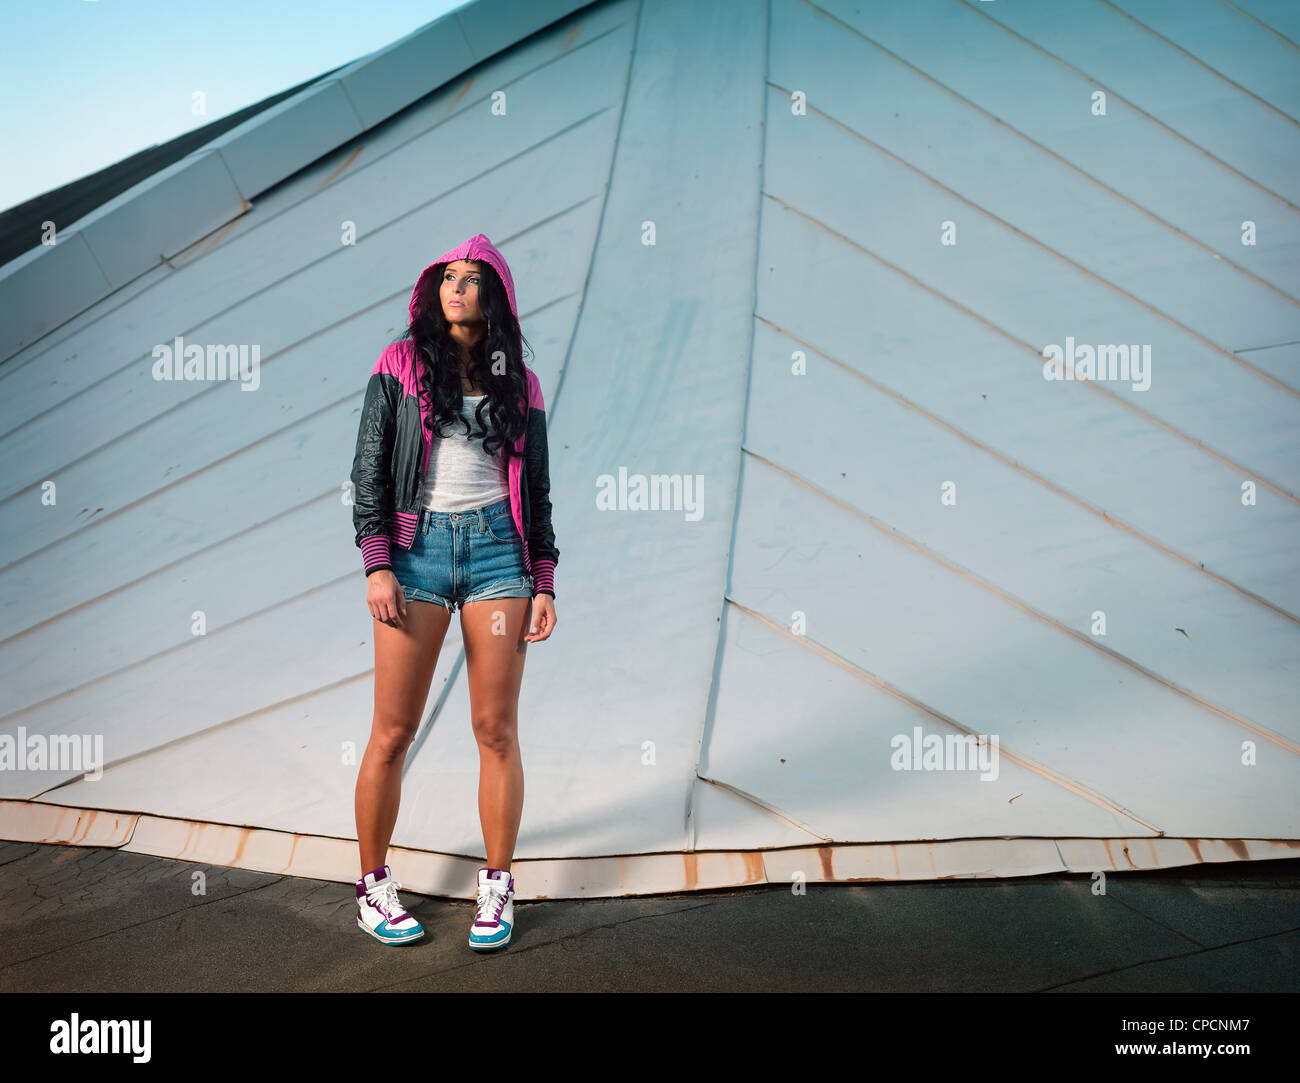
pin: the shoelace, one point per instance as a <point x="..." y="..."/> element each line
<point x="384" y="897"/>
<point x="491" y="901"/>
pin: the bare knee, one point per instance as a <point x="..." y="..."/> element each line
<point x="390" y="738"/>
<point x="495" y="732"/>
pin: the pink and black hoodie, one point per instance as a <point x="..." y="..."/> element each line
<point x="394" y="442"/>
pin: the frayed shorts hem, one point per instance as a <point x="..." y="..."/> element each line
<point x="519" y="586"/>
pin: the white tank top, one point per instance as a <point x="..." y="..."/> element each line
<point x="461" y="475"/>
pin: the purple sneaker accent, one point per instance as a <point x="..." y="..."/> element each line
<point x="373" y="877"/>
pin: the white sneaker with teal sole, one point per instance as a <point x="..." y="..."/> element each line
<point x="494" y="916"/>
<point x="379" y="911"/>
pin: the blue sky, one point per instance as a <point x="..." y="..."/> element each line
<point x="85" y="83"/>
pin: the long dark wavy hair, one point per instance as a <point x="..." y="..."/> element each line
<point x="438" y="360"/>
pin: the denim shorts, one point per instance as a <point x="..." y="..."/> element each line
<point x="463" y="556"/>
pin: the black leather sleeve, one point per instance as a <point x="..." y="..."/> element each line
<point x="541" y="535"/>
<point x="372" y="497"/>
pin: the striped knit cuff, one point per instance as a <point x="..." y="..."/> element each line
<point x="374" y="552"/>
<point x="544" y="577"/>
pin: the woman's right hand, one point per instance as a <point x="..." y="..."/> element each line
<point x="384" y="598"/>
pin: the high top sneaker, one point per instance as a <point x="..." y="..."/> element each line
<point x="379" y="911"/>
<point x="494" y="917"/>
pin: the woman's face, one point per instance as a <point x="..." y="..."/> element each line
<point x="459" y="292"/>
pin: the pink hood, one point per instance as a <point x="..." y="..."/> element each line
<point x="477" y="247"/>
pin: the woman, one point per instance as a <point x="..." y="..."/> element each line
<point x="451" y="505"/>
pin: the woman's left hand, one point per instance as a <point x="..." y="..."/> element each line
<point x="543" y="618"/>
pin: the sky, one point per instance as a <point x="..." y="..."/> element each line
<point x="86" y="83"/>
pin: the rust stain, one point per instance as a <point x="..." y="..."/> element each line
<point x="451" y="107"/>
<point x="345" y="164"/>
<point x="827" y="859"/>
<point x="754" y="873"/>
<point x="293" y="849"/>
<point x="214" y="239"/>
<point x="82" y="828"/>
<point x="1195" y="846"/>
<point x="571" y="37"/>
<point x="898" y="869"/>
<point x="691" y="867"/>
<point x="1109" y="856"/>
<point x="207" y="243"/>
<point x="244" y="834"/>
<point x="67" y="855"/>
<point x="1239" y="848"/>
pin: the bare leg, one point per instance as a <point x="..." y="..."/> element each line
<point x="495" y="650"/>
<point x="405" y="659"/>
